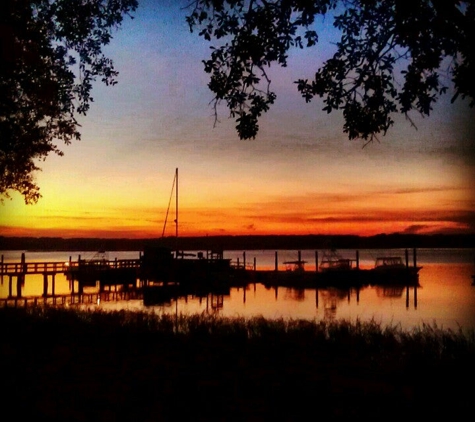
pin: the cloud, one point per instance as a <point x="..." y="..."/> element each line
<point x="415" y="228"/>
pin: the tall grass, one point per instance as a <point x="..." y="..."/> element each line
<point x="97" y="365"/>
<point x="352" y="337"/>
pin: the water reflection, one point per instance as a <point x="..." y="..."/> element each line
<point x="445" y="296"/>
<point x="285" y="302"/>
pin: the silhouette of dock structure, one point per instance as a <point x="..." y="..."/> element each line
<point x="153" y="272"/>
<point x="82" y="272"/>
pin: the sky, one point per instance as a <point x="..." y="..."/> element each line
<point x="301" y="175"/>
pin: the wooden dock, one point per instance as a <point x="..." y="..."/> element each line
<point x="83" y="272"/>
<point x="131" y="274"/>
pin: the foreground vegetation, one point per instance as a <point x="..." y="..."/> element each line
<point x="61" y="364"/>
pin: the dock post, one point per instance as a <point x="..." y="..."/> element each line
<point x="45" y="285"/>
<point x="299" y="254"/>
<point x="316" y="261"/>
<point x="407" y="258"/>
<point x="10" y="279"/>
<point x="276" y="264"/>
<point x="1" y="271"/>
<point x="414" y="255"/>
<point x="255" y="266"/>
<point x="244" y="259"/>
<point x="358" y="260"/>
<point x="19" y="282"/>
<point x="70" y="270"/>
<point x="21" y="277"/>
<point x="52" y="285"/>
<point x="72" y="279"/>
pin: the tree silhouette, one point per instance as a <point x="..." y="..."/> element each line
<point x="51" y="53"/>
<point x="392" y="56"/>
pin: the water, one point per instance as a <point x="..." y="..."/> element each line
<point x="445" y="297"/>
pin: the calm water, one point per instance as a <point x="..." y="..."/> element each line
<point x="445" y="297"/>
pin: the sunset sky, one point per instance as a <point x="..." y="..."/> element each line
<point x="301" y="175"/>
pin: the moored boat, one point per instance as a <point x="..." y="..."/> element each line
<point x="336" y="270"/>
<point x="294" y="276"/>
<point x="297" y="266"/>
<point x="333" y="262"/>
<point x="392" y="269"/>
<point x="161" y="266"/>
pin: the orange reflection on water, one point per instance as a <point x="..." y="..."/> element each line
<point x="445" y="297"/>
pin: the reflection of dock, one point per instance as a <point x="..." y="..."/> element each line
<point x="72" y="299"/>
<point x="161" y="294"/>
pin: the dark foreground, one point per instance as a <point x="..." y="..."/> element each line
<point x="93" y="366"/>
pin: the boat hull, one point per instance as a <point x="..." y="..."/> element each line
<point x="339" y="278"/>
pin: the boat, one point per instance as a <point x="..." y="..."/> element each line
<point x="336" y="270"/>
<point x="161" y="266"/>
<point x="295" y="275"/>
<point x="334" y="262"/>
<point x="392" y="269"/>
<point x="297" y="266"/>
<point x="333" y="270"/>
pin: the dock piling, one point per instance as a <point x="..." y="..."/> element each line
<point x="45" y="285"/>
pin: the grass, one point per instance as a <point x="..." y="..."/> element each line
<point x="61" y="364"/>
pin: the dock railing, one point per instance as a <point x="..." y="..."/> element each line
<point x="15" y="268"/>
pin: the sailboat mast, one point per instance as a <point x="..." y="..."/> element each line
<point x="176" y="208"/>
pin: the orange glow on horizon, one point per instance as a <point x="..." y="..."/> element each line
<point x="337" y="213"/>
<point x="230" y="224"/>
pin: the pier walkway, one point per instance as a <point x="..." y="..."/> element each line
<point x="84" y="272"/>
<point x="25" y="268"/>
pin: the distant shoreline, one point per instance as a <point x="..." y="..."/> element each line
<point x="250" y="242"/>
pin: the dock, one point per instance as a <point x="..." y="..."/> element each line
<point x="81" y="272"/>
<point x="158" y="267"/>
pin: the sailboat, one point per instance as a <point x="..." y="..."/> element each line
<point x="189" y="271"/>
